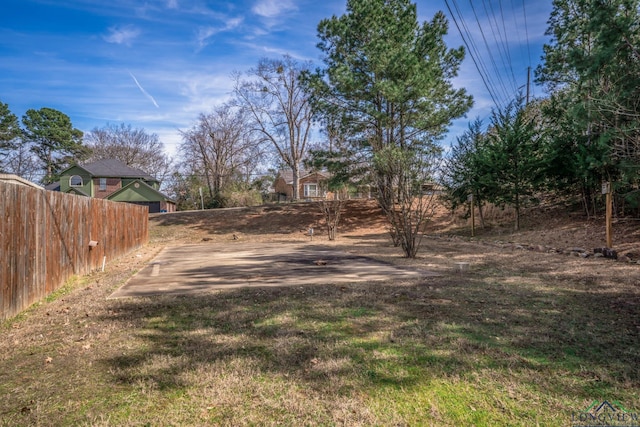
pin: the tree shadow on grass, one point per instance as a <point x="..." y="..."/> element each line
<point x="570" y="342"/>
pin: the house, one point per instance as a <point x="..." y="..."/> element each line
<point x="111" y="179"/>
<point x="314" y="186"/>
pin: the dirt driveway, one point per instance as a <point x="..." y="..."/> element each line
<point x="188" y="269"/>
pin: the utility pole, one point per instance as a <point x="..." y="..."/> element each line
<point x="528" y="82"/>
<point x="606" y="189"/>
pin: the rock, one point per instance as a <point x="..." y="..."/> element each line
<point x="584" y="254"/>
<point x="623" y="258"/>
<point x="578" y="250"/>
<point x="598" y="255"/>
<point x="606" y="252"/>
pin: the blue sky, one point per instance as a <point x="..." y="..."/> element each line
<point x="158" y="64"/>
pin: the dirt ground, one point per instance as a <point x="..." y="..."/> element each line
<point x="547" y="229"/>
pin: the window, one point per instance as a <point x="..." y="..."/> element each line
<point x="311" y="190"/>
<point x="75" y="181"/>
<point x="103" y="184"/>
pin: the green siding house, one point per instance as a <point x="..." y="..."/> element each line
<point x="111" y="179"/>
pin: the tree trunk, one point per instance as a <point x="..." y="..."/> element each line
<point x="517" y="207"/>
<point x="331" y="211"/>
<point x="481" y="214"/>
<point x="296" y="183"/>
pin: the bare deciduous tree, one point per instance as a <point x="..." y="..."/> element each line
<point x="220" y="147"/>
<point x="409" y="204"/>
<point x="22" y="162"/>
<point x="280" y="109"/>
<point x="134" y="147"/>
<point x="332" y="210"/>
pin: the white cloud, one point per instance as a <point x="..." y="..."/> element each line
<point x="204" y="33"/>
<point x="273" y="8"/>
<point x="172" y="4"/>
<point x="122" y="35"/>
<point x="202" y="91"/>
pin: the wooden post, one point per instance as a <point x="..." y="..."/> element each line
<point x="609" y="220"/>
<point x="473" y="216"/>
<point x="606" y="189"/>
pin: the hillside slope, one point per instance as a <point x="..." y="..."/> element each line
<point x="545" y="229"/>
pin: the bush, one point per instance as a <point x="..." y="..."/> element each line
<point x="240" y="198"/>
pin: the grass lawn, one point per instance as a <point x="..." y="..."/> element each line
<point x="522" y="340"/>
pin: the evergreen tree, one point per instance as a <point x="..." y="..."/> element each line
<point x="513" y="158"/>
<point x="592" y="68"/>
<point x="463" y="170"/>
<point x="9" y="133"/>
<point x="55" y="141"/>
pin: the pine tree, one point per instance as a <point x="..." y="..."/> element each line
<point x="513" y="158"/>
<point x="9" y="132"/>
<point x="55" y="141"/>
<point x="387" y="85"/>
<point x="592" y="68"/>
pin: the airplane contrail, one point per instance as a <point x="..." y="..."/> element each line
<point x="143" y="91"/>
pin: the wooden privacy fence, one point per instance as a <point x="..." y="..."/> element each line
<point x="46" y="237"/>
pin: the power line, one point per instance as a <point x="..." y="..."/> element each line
<point x="505" y="43"/>
<point x="501" y="83"/>
<point x="472" y="51"/>
<point x="526" y="30"/>
<point x="490" y="52"/>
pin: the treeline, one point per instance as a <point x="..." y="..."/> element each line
<point x="44" y="143"/>
<point x="585" y="134"/>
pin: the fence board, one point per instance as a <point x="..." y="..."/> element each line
<point x="44" y="240"/>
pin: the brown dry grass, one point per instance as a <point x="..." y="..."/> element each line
<point x="525" y="337"/>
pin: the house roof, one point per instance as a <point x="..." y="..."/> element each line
<point x="147" y="186"/>
<point x="75" y="191"/>
<point x="287" y="174"/>
<point x="112" y="168"/>
<point x="54" y="186"/>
